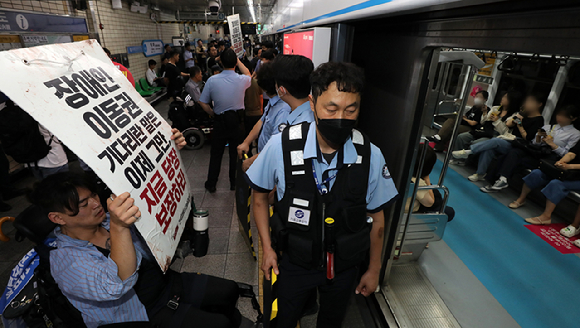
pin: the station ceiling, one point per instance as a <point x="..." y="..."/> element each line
<point x="262" y="8"/>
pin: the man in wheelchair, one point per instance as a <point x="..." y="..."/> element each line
<point x="105" y="269"/>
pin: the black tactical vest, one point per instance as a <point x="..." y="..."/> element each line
<point x="345" y="203"/>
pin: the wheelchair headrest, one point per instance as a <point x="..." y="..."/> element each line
<point x="33" y="223"/>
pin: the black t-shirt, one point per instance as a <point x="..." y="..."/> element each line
<point x="211" y="62"/>
<point x="172" y="73"/>
<point x="473" y="114"/>
<point x="575" y="150"/>
<point x="531" y="125"/>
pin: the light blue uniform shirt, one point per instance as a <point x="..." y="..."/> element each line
<point x="274" y="120"/>
<point x="267" y="171"/>
<point x="302" y="113"/>
<point x="226" y="90"/>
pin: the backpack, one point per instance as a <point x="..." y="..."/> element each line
<point x="20" y="136"/>
<point x="41" y="304"/>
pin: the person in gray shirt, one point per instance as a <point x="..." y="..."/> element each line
<point x="192" y="85"/>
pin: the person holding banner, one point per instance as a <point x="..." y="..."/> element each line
<point x="226" y="91"/>
<point x="106" y="270"/>
<point x="332" y="186"/>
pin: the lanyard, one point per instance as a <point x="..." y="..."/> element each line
<point x="322" y="187"/>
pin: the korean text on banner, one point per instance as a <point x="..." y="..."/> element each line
<point x="236" y="34"/>
<point x="76" y="92"/>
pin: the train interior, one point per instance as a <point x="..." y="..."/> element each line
<point x="485" y="268"/>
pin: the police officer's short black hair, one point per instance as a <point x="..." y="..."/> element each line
<point x="221" y="43"/>
<point x="152" y="62"/>
<point x="293" y="73"/>
<point x="265" y="77"/>
<point x="348" y="78"/>
<point x="268" y="44"/>
<point x="174" y="53"/>
<point x="193" y="71"/>
<point x="187" y="44"/>
<point x="167" y="45"/>
<point x="267" y="54"/>
<point x="58" y="192"/>
<point x="229" y="58"/>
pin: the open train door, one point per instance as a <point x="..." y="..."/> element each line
<point x="414" y="230"/>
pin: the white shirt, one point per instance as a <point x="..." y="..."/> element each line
<point x="56" y="156"/>
<point x="151" y="75"/>
<point x="188" y="55"/>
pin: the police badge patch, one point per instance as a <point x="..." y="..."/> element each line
<point x="282" y="126"/>
<point x="386" y="173"/>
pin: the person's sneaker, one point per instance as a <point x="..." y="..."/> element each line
<point x="460" y="154"/>
<point x="569" y="231"/>
<point x="499" y="185"/>
<point x="459" y="162"/>
<point x="487" y="189"/>
<point x="433" y="138"/>
<point x="476" y="177"/>
<point x="576" y="243"/>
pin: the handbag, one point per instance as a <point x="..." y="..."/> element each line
<point x="549" y="168"/>
<point x="484" y="130"/>
<point x="536" y="151"/>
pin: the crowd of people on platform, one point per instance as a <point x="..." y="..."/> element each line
<point x="512" y="139"/>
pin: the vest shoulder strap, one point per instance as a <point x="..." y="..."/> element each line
<point x="293" y="142"/>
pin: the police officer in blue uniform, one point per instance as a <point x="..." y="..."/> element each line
<point x="227" y="91"/>
<point x="291" y="74"/>
<point x="275" y="113"/>
<point x="332" y="185"/>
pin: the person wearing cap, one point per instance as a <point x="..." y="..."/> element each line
<point x="332" y="185"/>
<point x="226" y="90"/>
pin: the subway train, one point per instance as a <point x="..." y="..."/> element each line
<point x="423" y="63"/>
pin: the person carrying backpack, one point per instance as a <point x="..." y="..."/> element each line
<point x="30" y="143"/>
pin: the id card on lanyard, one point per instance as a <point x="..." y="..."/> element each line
<point x="322" y="189"/>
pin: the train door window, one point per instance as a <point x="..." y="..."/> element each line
<point x="453" y="79"/>
<point x="571" y="91"/>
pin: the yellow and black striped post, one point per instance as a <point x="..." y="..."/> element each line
<point x="251" y="240"/>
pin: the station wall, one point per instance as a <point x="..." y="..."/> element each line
<point x="45" y="6"/>
<point x="123" y="28"/>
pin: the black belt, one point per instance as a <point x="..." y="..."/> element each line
<point x="227" y="111"/>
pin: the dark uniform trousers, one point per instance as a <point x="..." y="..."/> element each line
<point x="295" y="286"/>
<point x="226" y="129"/>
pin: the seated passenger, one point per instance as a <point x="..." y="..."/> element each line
<point x="554" y="189"/>
<point x="573" y="229"/>
<point x="425" y="198"/>
<point x="105" y="269"/>
<point x="152" y="77"/>
<point x="192" y="85"/>
<point x="524" y="125"/>
<point x="557" y="138"/>
<point x="492" y="125"/>
<point x="473" y="118"/>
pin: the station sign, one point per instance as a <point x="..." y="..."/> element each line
<point x="135" y="49"/>
<point x="152" y="47"/>
<point x="14" y="21"/>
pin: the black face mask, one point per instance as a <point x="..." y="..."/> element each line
<point x="336" y="131"/>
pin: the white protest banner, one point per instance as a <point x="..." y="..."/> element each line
<point x="236" y="34"/>
<point x="75" y="91"/>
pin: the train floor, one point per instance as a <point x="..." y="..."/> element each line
<point x="491" y="270"/>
